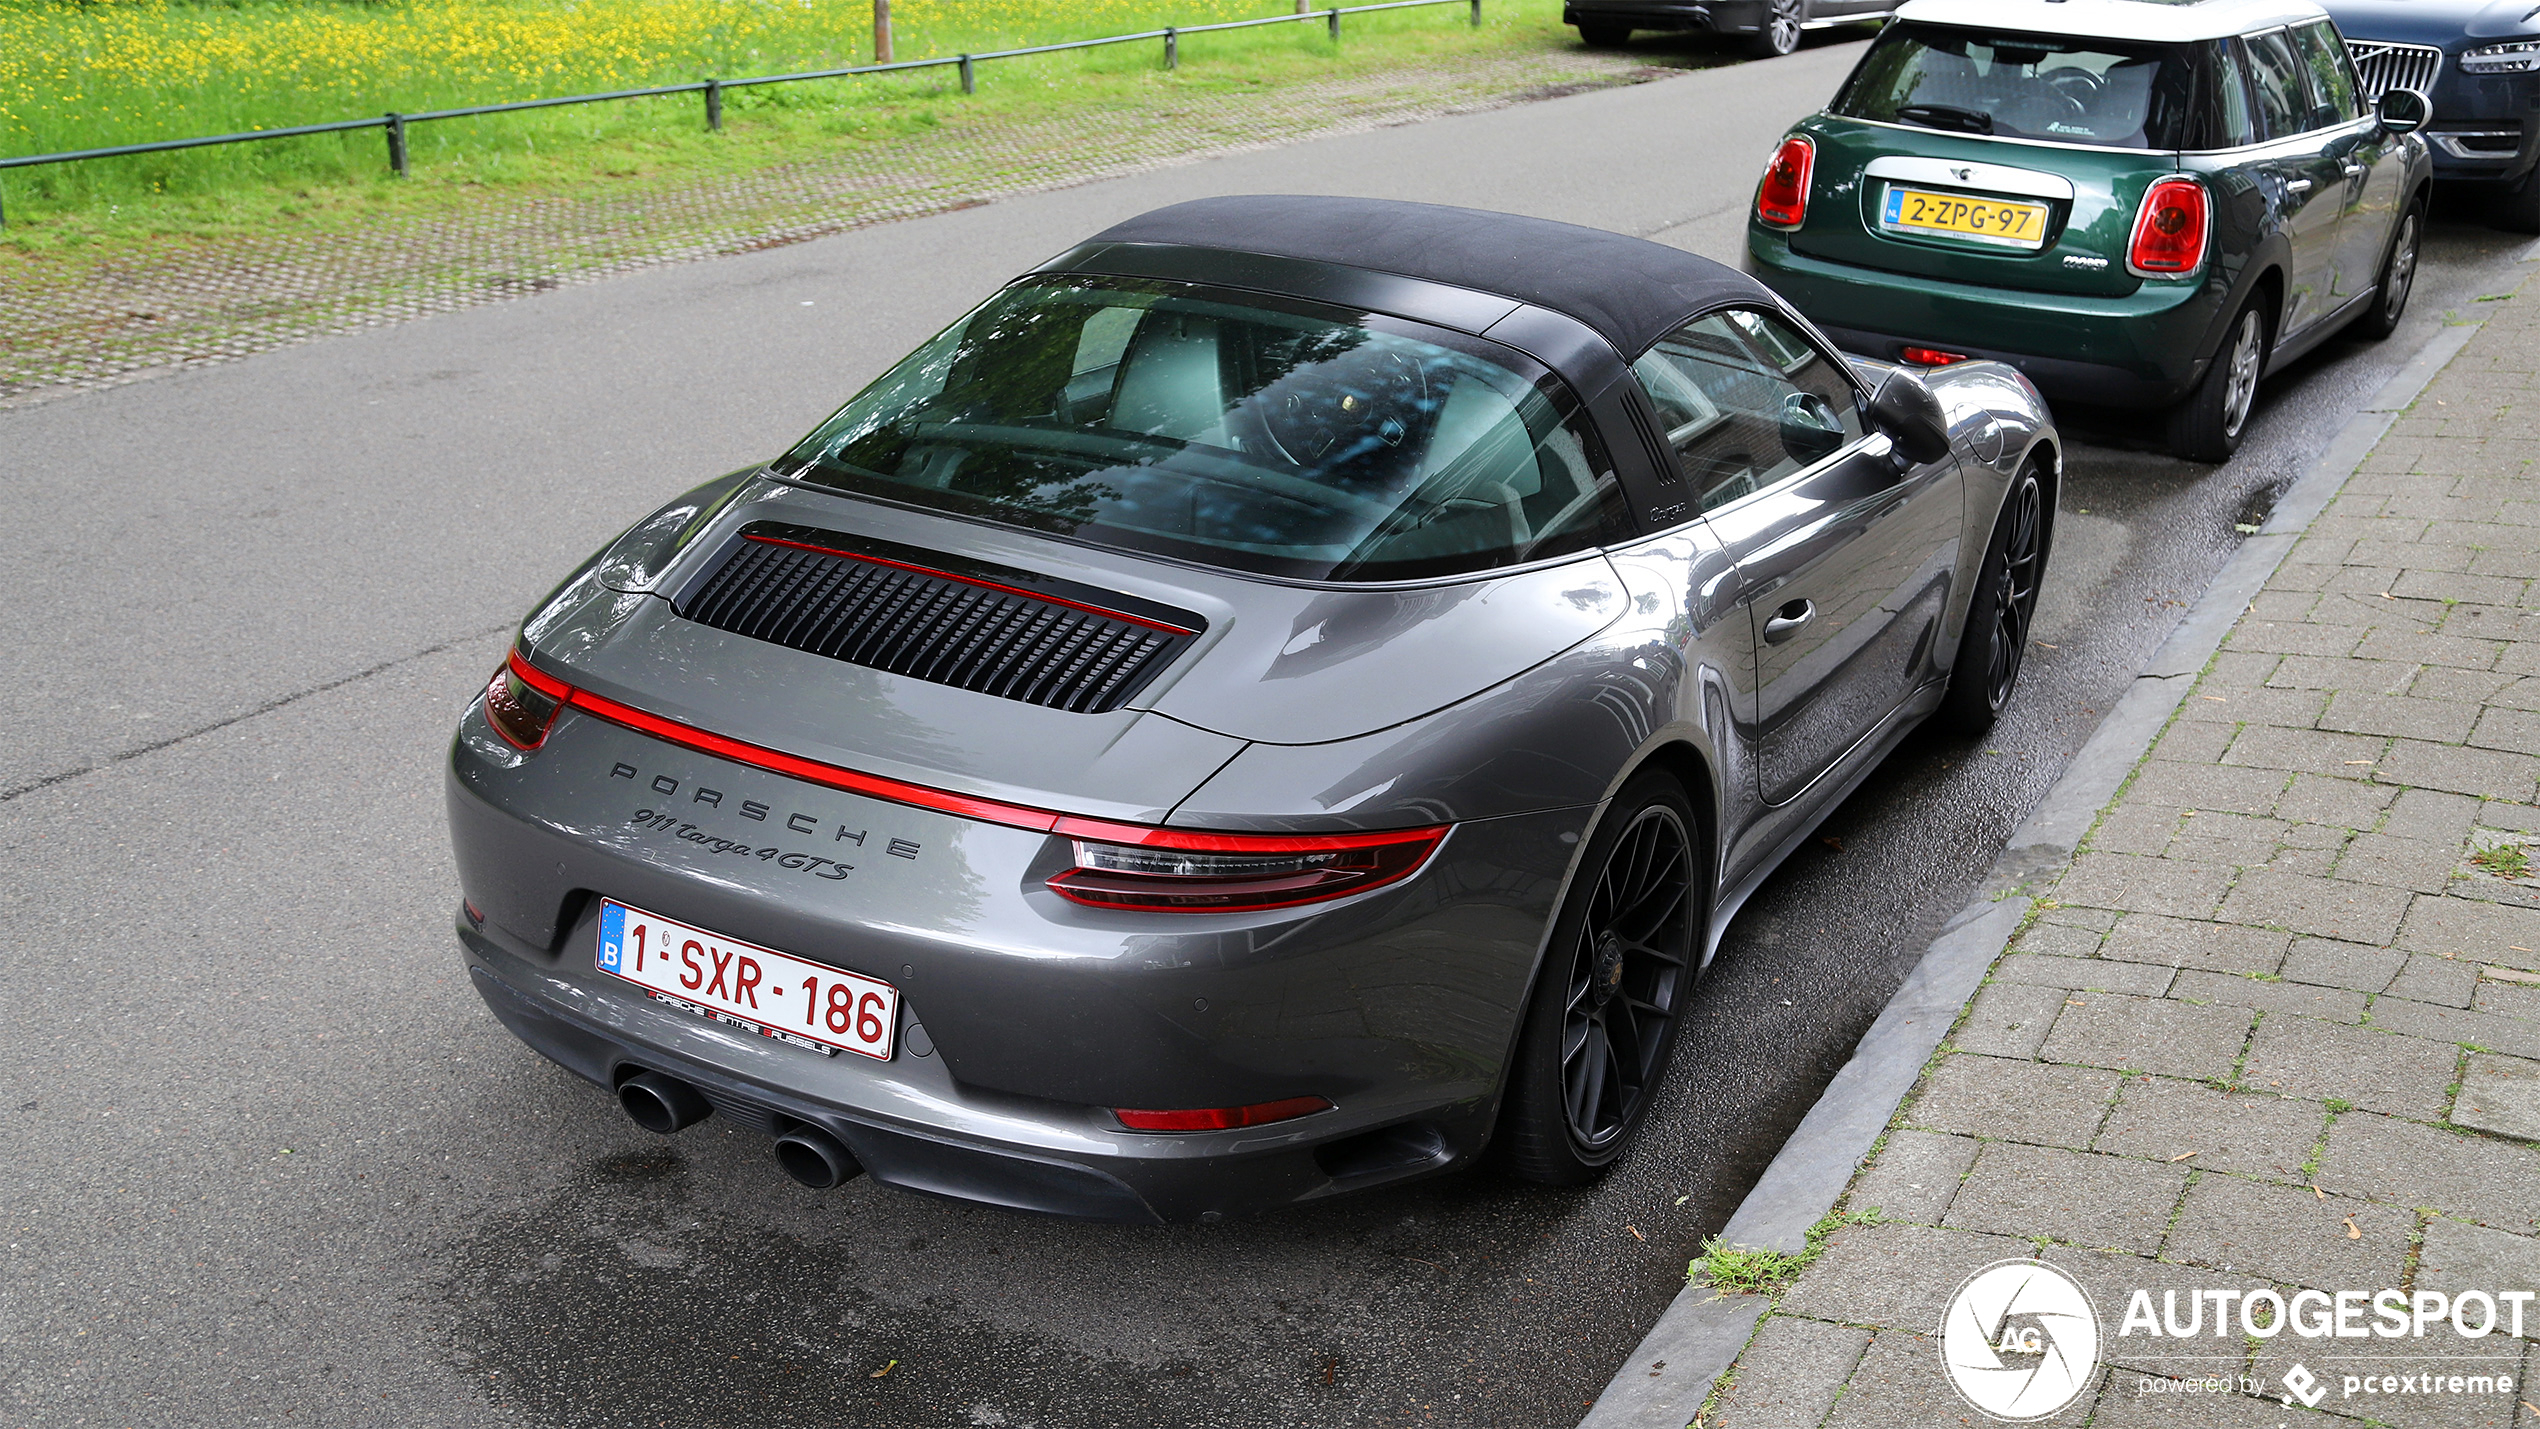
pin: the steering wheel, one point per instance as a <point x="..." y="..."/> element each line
<point x="1314" y="416"/>
<point x="2078" y="88"/>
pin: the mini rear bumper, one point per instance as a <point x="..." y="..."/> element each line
<point x="2140" y="350"/>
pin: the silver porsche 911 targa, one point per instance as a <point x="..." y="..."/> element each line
<point x="1277" y="700"/>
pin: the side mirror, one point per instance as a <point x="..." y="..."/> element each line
<point x="1905" y="409"/>
<point x="1810" y="430"/>
<point x="2402" y="111"/>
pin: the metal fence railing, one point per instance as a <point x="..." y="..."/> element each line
<point x="395" y="123"/>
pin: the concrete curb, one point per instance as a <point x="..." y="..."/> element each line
<point x="1663" y="1383"/>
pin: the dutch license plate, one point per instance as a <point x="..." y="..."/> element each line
<point x="743" y="985"/>
<point x="2002" y="222"/>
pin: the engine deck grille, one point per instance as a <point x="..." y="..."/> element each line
<point x="2385" y="66"/>
<point x="1008" y="633"/>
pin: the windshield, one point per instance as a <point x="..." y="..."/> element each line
<point x="1230" y="430"/>
<point x="2103" y="93"/>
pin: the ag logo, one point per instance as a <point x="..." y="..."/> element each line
<point x="2019" y="1340"/>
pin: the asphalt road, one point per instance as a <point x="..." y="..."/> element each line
<point x="263" y="1157"/>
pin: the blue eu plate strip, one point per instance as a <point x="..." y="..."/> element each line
<point x="612" y="932"/>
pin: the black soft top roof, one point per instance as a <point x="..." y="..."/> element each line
<point x="1630" y="290"/>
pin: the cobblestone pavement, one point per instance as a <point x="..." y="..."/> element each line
<point x="2278" y="1025"/>
<point x="206" y="300"/>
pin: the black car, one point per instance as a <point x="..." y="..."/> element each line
<point x="2479" y="61"/>
<point x="1770" y="27"/>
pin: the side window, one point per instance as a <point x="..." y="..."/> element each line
<point x="1746" y="401"/>
<point x="2227" y="111"/>
<point x="2283" y="102"/>
<point x="2332" y="75"/>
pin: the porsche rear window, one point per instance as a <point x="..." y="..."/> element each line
<point x="2100" y="93"/>
<point x="1230" y="430"/>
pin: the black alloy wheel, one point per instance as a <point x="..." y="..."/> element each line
<point x="2398" y="276"/>
<point x="1782" y="22"/>
<point x="1612" y="990"/>
<point x="1995" y="644"/>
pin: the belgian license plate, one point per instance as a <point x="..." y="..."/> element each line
<point x="743" y="985"/>
<point x="2005" y="223"/>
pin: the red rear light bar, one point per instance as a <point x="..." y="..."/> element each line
<point x="1932" y="357"/>
<point x="992" y="811"/>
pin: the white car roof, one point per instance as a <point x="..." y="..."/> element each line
<point x="2153" y="21"/>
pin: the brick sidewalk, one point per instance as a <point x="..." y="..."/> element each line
<point x="2278" y="1027"/>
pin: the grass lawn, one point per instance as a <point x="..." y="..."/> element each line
<point x="80" y="75"/>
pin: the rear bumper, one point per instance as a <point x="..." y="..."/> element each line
<point x="1727" y="17"/>
<point x="2140" y="350"/>
<point x="1217" y="1174"/>
<point x="1025" y="1018"/>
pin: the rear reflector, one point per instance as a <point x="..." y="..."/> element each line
<point x="1932" y="357"/>
<point x="1221" y="1118"/>
<point x="2169" y="230"/>
<point x="1137" y="866"/>
<point x="1781" y="200"/>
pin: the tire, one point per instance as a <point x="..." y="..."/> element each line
<point x="1603" y="34"/>
<point x="2209" y="424"/>
<point x="1616" y="978"/>
<point x="2398" y="276"/>
<point x="1780" y="34"/>
<point x="1994" y="645"/>
<point x="2518" y="209"/>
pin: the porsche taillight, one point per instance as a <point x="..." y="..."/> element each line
<point x="2169" y="229"/>
<point x="521" y="702"/>
<point x="1781" y="200"/>
<point x="1173" y="871"/>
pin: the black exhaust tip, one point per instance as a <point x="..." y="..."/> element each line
<point x="816" y="1158"/>
<point x="662" y="1104"/>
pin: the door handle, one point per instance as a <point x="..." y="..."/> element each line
<point x="1787" y="621"/>
<point x="2297" y="186"/>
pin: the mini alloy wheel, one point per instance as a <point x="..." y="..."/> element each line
<point x="2208" y="425"/>
<point x="2398" y="276"/>
<point x="2248" y="349"/>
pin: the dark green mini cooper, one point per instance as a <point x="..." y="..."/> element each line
<point x="2137" y="204"/>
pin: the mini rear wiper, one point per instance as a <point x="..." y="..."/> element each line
<point x="1946" y="116"/>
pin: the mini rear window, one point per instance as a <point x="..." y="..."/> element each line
<point x="2102" y="93"/>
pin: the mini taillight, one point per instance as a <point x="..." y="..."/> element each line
<point x="1781" y="200"/>
<point x="2169" y="230"/>
<point x="1171" y="870"/>
<point x="1932" y="357"/>
<point x="1221" y="1118"/>
<point x="521" y="702"/>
